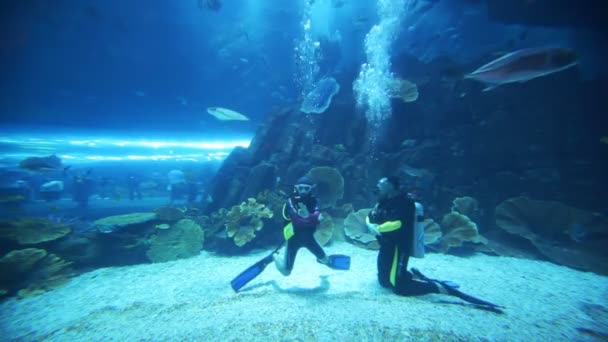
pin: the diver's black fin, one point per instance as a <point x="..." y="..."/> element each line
<point x="453" y="291"/>
<point x="339" y="261"/>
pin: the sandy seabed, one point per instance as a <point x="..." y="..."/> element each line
<point x="191" y="300"/>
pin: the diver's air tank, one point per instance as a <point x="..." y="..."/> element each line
<point x="418" y="240"/>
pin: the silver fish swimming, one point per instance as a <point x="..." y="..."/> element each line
<point x="524" y="65"/>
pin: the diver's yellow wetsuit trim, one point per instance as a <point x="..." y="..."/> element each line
<point x="288" y="231"/>
<point x="389" y="226"/>
<point x="393" y="277"/>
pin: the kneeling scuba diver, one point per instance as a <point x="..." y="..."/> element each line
<point x="397" y="221"/>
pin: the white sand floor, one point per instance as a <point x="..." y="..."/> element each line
<point x="191" y="300"/>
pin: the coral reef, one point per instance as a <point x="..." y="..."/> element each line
<point x="31" y="271"/>
<point x="329" y="185"/>
<point x="111" y="223"/>
<point x="29" y="231"/>
<point x="183" y="240"/>
<point x="243" y="220"/>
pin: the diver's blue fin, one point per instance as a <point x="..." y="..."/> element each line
<point x="339" y="261"/>
<point x="252" y="271"/>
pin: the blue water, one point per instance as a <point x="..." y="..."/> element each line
<point x="119" y="91"/>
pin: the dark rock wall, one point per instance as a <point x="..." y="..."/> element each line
<point x="540" y="139"/>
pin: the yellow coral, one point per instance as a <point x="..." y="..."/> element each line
<point x="243" y="220"/>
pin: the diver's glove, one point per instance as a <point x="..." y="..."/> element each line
<point x="303" y="211"/>
<point x="371" y="226"/>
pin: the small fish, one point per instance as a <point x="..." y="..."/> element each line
<point x="43" y="164"/>
<point x="604" y="140"/>
<point x="225" y="114"/>
<point x="524" y="65"/>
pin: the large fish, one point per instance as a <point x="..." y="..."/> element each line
<point x="524" y="65"/>
<point x="42" y="164"/>
<point x="225" y="114"/>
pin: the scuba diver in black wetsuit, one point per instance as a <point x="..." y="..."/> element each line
<point x="393" y="220"/>
<point x="302" y="210"/>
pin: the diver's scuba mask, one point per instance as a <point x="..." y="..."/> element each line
<point x="303" y="189"/>
<point x="385" y="188"/>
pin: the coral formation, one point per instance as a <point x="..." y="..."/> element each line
<point x="459" y="228"/>
<point x="564" y="234"/>
<point x="406" y="90"/>
<point x="325" y="230"/>
<point x="432" y="231"/>
<point x="29" y="231"/>
<point x="185" y="239"/>
<point x="465" y="205"/>
<point x="356" y="230"/>
<point x="31" y="271"/>
<point x="170" y="214"/>
<point x="329" y="185"/>
<point x="111" y="223"/>
<point x="243" y="220"/>
<point x="319" y="99"/>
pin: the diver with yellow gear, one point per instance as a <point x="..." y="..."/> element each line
<point x="393" y="220"/>
<point x="396" y="219"/>
<point x="302" y="210"/>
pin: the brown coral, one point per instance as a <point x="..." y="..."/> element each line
<point x="356" y="230"/>
<point x="183" y="240"/>
<point x="565" y="235"/>
<point x="31" y="271"/>
<point x="242" y="221"/>
<point x="325" y="230"/>
<point x="432" y="231"/>
<point x="329" y="185"/>
<point x="169" y="214"/>
<point x="465" y="205"/>
<point x="115" y="222"/>
<point x="459" y="228"/>
<point x="29" y="231"/>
